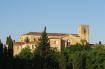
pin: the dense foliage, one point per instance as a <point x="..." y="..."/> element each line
<point x="79" y="56"/>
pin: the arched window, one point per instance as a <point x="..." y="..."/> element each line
<point x="34" y="40"/>
<point x="26" y="40"/>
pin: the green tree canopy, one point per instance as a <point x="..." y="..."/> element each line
<point x="1" y="49"/>
<point x="9" y="42"/>
<point x="25" y="53"/>
<point x="43" y="45"/>
<point x="96" y="58"/>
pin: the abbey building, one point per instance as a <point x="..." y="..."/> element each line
<point x="57" y="40"/>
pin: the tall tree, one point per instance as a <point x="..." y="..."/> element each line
<point x="5" y="53"/>
<point x="43" y="48"/>
<point x="9" y="43"/>
<point x="1" y="53"/>
<point x="1" y="49"/>
<point x="5" y="57"/>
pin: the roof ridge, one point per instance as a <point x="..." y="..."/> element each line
<point x="39" y="33"/>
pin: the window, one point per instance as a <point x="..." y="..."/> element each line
<point x="33" y="46"/>
<point x="34" y="40"/>
<point x="68" y="42"/>
<point x="54" y="42"/>
<point x="26" y="40"/>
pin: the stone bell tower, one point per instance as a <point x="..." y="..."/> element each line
<point x="83" y="31"/>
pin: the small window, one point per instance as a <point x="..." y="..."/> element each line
<point x="68" y="42"/>
<point x="33" y="46"/>
<point x="54" y="42"/>
<point x="26" y="40"/>
<point x="34" y="40"/>
<point x="36" y="46"/>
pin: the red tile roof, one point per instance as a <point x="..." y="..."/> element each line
<point x="49" y="34"/>
<point x="75" y="35"/>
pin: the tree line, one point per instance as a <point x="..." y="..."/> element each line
<point x="79" y="56"/>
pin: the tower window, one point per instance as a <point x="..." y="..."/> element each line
<point x="84" y="31"/>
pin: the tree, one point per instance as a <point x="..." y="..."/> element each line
<point x="1" y="53"/>
<point x="1" y="49"/>
<point x="43" y="45"/>
<point x="96" y="58"/>
<point x="75" y="56"/>
<point x="43" y="48"/>
<point x="25" y="53"/>
<point x="5" y="58"/>
<point x="24" y="59"/>
<point x="62" y="61"/>
<point x="5" y="53"/>
<point x="9" y="44"/>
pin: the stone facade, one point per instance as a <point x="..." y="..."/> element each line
<point x="57" y="40"/>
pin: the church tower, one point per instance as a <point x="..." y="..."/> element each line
<point x="83" y="31"/>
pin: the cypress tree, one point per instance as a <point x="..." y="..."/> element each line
<point x="5" y="57"/>
<point x="9" y="43"/>
<point x="43" y="48"/>
<point x="1" y="54"/>
<point x="1" y="49"/>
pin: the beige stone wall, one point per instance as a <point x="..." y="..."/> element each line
<point x="17" y="48"/>
<point x="56" y="43"/>
<point x="32" y="38"/>
<point x="57" y="39"/>
<point x="73" y="40"/>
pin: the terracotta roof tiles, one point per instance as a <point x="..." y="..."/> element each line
<point x="49" y="34"/>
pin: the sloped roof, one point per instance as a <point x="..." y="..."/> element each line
<point x="49" y="34"/>
<point x="76" y="35"/>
